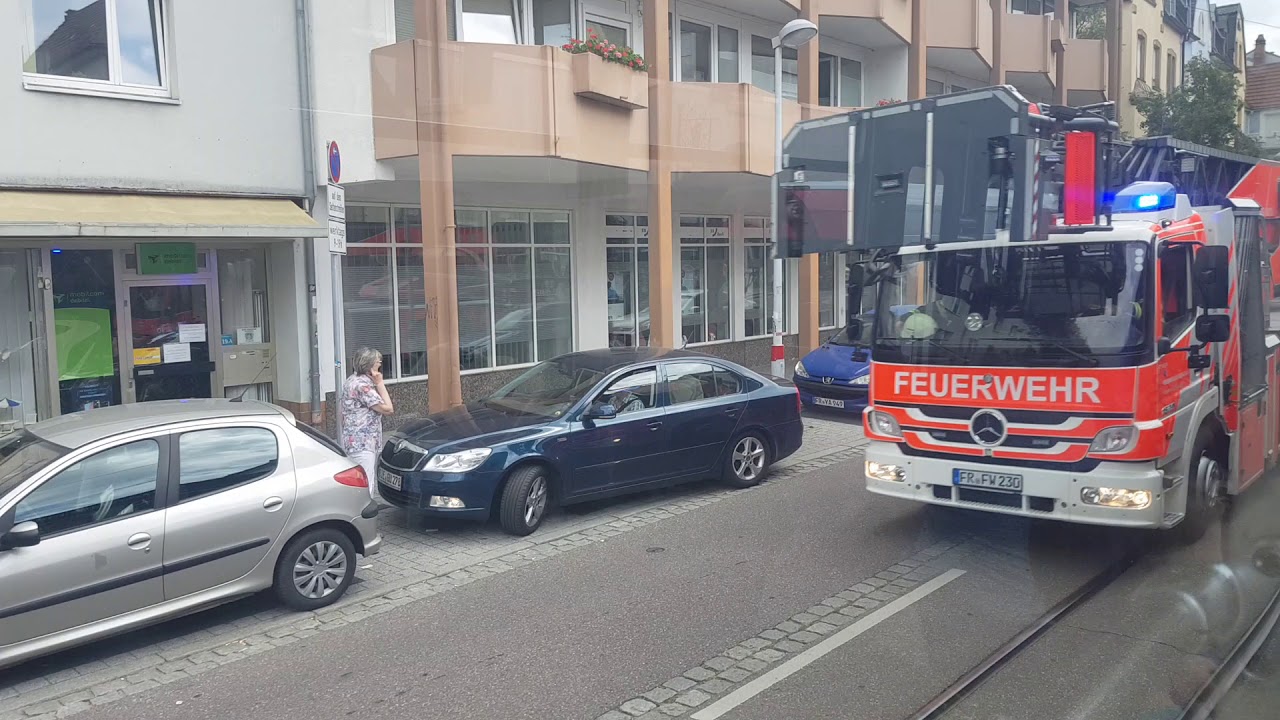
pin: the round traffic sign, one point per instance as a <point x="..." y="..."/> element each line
<point x="335" y="163"/>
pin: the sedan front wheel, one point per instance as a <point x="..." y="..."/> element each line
<point x="525" y="500"/>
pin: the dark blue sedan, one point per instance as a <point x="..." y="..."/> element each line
<point x="591" y="425"/>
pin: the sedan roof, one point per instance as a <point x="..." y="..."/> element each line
<point x="609" y="359"/>
<point x="76" y="429"/>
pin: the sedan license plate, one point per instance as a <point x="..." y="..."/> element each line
<point x="390" y="479"/>
<point x="827" y="402"/>
<point x="1003" y="482"/>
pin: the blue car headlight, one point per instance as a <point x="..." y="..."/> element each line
<point x="861" y="380"/>
<point x="458" y="462"/>
<point x="801" y="371"/>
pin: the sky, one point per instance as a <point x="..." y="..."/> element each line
<point x="1261" y="17"/>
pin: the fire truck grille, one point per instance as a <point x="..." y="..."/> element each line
<point x="990" y="497"/>
<point x="1022" y="417"/>
<point x="1085" y="465"/>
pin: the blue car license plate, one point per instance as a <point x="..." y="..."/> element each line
<point x="827" y="402"/>
<point x="1003" y="482"/>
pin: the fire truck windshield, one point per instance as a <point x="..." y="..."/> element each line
<point x="1063" y="305"/>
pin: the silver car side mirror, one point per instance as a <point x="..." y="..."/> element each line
<point x="24" y="534"/>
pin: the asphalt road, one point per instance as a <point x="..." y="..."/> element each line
<point x="596" y="631"/>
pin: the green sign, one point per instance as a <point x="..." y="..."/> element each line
<point x="85" y="349"/>
<point x="166" y="258"/>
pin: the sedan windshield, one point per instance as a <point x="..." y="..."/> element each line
<point x="1068" y="305"/>
<point x="547" y="389"/>
<point x="21" y="454"/>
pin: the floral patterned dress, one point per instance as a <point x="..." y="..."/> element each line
<point x="361" y="426"/>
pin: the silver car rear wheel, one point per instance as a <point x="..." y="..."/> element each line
<point x="315" y="569"/>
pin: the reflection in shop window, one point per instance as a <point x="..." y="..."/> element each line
<point x="627" y="276"/>
<point x="758" y="279"/>
<point x="368" y="285"/>
<point x="827" y="290"/>
<point x="704" y="278"/>
<point x="514" y="286"/>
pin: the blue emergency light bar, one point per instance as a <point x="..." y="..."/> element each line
<point x="1141" y="197"/>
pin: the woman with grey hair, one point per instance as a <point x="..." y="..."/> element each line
<point x="364" y="402"/>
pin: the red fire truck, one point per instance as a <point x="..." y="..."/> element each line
<point x="1073" y="350"/>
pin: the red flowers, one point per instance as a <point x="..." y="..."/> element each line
<point x="606" y="50"/>
<point x="882" y="103"/>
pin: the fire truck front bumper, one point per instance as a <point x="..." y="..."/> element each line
<point x="1113" y="493"/>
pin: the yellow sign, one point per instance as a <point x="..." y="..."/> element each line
<point x="146" y="356"/>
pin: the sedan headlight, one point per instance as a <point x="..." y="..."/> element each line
<point x="800" y="370"/>
<point x="861" y="380"/>
<point x="885" y="424"/>
<point x="1114" y="439"/>
<point x="458" y="462"/>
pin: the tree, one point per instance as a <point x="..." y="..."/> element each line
<point x="1204" y="109"/>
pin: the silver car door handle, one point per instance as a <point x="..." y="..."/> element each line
<point x="272" y="503"/>
<point x="139" y="541"/>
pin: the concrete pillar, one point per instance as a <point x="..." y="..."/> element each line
<point x="1115" y="50"/>
<point x="917" y="52"/>
<point x="998" y="14"/>
<point x="808" y="270"/>
<point x="1059" y="74"/>
<point x="435" y="169"/>
<point x="657" y="44"/>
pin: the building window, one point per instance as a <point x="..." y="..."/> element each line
<point x="695" y="52"/>
<point x="934" y="87"/>
<point x="514" y="286"/>
<point x="1253" y="122"/>
<point x="704" y="278"/>
<point x="839" y="81"/>
<point x="510" y="22"/>
<point x="1172" y="71"/>
<point x="757" y="283"/>
<point x="727" y="54"/>
<point x="609" y="30"/>
<point x="762" y="67"/>
<point x="1031" y="7"/>
<point x="116" y="46"/>
<point x="376" y="302"/>
<point x="1155" y="65"/>
<point x="627" y="273"/>
<point x="1142" y="56"/>
<point x="827" y="285"/>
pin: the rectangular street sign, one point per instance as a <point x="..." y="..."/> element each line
<point x="337" y="202"/>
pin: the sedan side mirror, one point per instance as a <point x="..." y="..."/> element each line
<point x="24" y="534"/>
<point x="600" y="411"/>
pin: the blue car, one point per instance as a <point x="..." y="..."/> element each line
<point x="590" y="425"/>
<point x="831" y="376"/>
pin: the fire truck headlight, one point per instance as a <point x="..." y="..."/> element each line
<point x="1116" y="497"/>
<point x="1114" y="439"/>
<point x="883" y="423"/>
<point x="885" y="471"/>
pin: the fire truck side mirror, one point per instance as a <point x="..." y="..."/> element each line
<point x="1213" y="328"/>
<point x="1211" y="277"/>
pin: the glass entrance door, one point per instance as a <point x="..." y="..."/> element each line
<point x="168" y="328"/>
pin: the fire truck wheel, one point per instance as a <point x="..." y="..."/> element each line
<point x="1206" y="488"/>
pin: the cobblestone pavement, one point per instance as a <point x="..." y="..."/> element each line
<point x="415" y="563"/>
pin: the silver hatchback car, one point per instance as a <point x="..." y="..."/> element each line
<point x="115" y="518"/>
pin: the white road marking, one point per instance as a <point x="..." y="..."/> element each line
<point x="810" y="655"/>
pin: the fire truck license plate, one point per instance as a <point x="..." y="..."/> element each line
<point x="987" y="480"/>
<point x="391" y="480"/>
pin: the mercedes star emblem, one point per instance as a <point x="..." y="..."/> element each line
<point x="988" y="428"/>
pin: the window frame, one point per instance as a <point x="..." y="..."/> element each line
<point x="114" y="86"/>
<point x="836" y="93"/>
<point x="1142" y="56"/>
<point x="533" y="280"/>
<point x="633" y="241"/>
<point x="50" y="472"/>
<point x="666" y="382"/>
<point x="704" y="243"/>
<point x="1156" y="54"/>
<point x="1186" y="320"/>
<point x="523" y="23"/>
<point x="175" y="462"/>
<point x="715" y="20"/>
<point x="765" y="240"/>
<point x="1171" y="81"/>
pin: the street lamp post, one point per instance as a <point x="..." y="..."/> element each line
<point x="793" y="35"/>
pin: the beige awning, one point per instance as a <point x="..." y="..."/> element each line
<point x="79" y="214"/>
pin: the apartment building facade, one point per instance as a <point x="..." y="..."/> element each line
<point x="151" y="204"/>
<point x="508" y="201"/>
<point x="1262" y="101"/>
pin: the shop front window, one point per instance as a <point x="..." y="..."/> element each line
<point x="758" y="279"/>
<point x="704" y="278"/>
<point x="627" y="275"/>
<point x="827" y="289"/>
<point x="85" y="328"/>
<point x="514" y="286"/>
<point x="369" y="285"/>
<point x="18" y="361"/>
<point x="242" y="294"/>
